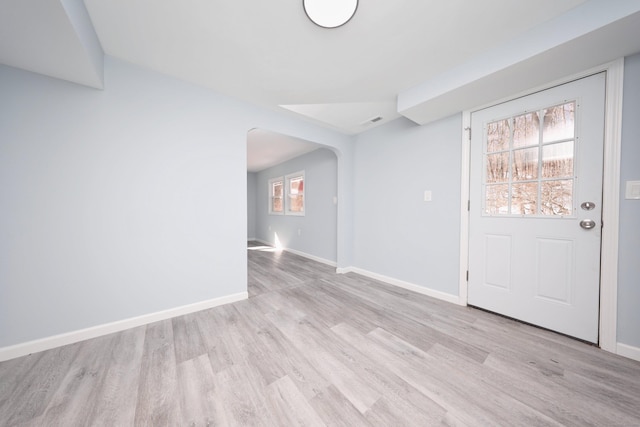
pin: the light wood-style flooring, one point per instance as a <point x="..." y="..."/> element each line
<point x="310" y="347"/>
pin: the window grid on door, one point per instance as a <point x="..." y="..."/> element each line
<point x="529" y="163"/>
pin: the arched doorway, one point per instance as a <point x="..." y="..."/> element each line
<point x="274" y="158"/>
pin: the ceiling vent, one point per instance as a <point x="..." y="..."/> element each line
<point x="371" y="120"/>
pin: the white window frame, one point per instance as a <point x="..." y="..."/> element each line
<point x="287" y="194"/>
<point x="271" y="195"/>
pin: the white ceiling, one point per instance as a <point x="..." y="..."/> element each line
<point x="266" y="149"/>
<point x="422" y="59"/>
<point x="269" y="53"/>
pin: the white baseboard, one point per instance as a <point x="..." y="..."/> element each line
<point x="312" y="257"/>
<point x="628" y="351"/>
<point x="402" y="284"/>
<point x="23" y="349"/>
<point x="302" y="254"/>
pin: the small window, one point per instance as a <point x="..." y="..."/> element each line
<point x="295" y="194"/>
<point x="276" y="199"/>
<point x="529" y="163"/>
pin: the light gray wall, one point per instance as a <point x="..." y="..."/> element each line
<point x="397" y="234"/>
<point x="123" y="202"/>
<point x="131" y="200"/>
<point x="251" y="205"/>
<point x="318" y="227"/>
<point x="629" y="244"/>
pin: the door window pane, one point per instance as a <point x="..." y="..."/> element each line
<point x="498" y="136"/>
<point x="524" y="198"/>
<point x="526" y="130"/>
<point x="557" y="160"/>
<point x="529" y="165"/>
<point x="525" y="164"/>
<point x="497" y="199"/>
<point x="497" y="167"/>
<point x="559" y="122"/>
<point x="556" y="197"/>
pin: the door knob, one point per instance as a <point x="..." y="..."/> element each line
<point x="587" y="206"/>
<point x="587" y="224"/>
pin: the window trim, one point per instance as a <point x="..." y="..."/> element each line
<point x="271" y="197"/>
<point x="287" y="194"/>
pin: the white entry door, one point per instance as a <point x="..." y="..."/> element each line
<point x="535" y="207"/>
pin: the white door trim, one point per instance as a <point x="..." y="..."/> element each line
<point x="610" y="200"/>
<point x="611" y="207"/>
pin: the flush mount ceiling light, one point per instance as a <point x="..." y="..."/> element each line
<point x="330" y="13"/>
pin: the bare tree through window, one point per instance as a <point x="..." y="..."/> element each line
<point x="529" y="171"/>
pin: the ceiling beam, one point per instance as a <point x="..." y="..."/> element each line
<point x="589" y="35"/>
<point x="54" y="37"/>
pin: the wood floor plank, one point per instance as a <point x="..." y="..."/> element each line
<point x="335" y="409"/>
<point x="555" y="396"/>
<point x="156" y="403"/>
<point x="37" y="386"/>
<point x="116" y="403"/>
<point x="78" y="393"/>
<point x="11" y="374"/>
<point x="384" y="413"/>
<point x="284" y="357"/>
<point x="418" y="331"/>
<point x="405" y="399"/>
<point x="242" y="400"/>
<point x="400" y="397"/>
<point x="216" y="339"/>
<point x="311" y="347"/>
<point x="473" y="402"/>
<point x="550" y="355"/>
<point x="301" y="333"/>
<point x="197" y="393"/>
<point x="289" y="406"/>
<point x="187" y="338"/>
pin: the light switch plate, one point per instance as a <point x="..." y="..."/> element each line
<point x="427" y="196"/>
<point x="633" y="190"/>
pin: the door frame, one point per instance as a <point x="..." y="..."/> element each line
<point x="610" y="196"/>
